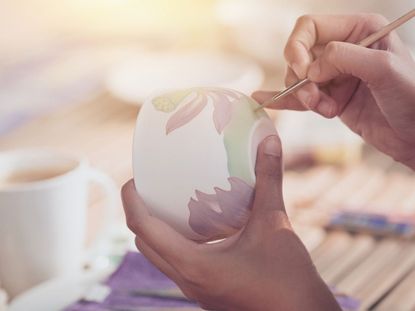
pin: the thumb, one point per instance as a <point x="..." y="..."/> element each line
<point x="268" y="189"/>
<point x="369" y="65"/>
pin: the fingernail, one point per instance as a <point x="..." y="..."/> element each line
<point x="305" y="97"/>
<point x="325" y="108"/>
<point x="272" y="146"/>
<point x="314" y="70"/>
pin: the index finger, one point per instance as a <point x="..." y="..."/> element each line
<point x="311" y="30"/>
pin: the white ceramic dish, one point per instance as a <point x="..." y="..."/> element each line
<point x="137" y="78"/>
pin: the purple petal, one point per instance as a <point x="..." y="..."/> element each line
<point x="239" y="186"/>
<point x="205" y="221"/>
<point x="209" y="199"/>
<point x="201" y="196"/>
<point x="185" y="114"/>
<point x="234" y="202"/>
<point x="235" y="205"/>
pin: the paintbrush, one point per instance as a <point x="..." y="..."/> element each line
<point x="364" y="43"/>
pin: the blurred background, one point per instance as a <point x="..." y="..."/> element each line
<point x="55" y="53"/>
<point x="73" y="74"/>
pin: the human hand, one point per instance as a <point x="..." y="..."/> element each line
<point x="262" y="267"/>
<point x="372" y="90"/>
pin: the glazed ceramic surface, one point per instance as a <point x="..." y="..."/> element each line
<point x="194" y="159"/>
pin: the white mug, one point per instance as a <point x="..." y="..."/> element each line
<point x="43" y="221"/>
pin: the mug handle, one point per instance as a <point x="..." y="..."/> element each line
<point x="97" y="256"/>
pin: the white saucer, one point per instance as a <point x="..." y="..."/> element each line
<point x="57" y="294"/>
<point x="136" y="78"/>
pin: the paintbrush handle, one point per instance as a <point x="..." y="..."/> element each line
<point x="365" y="43"/>
<point x="387" y="29"/>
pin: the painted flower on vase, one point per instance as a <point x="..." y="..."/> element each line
<point x="195" y="101"/>
<point x="194" y="159"/>
<point x="220" y="212"/>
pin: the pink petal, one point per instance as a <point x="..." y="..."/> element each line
<point x="222" y="113"/>
<point x="185" y="114"/>
<point x="230" y="93"/>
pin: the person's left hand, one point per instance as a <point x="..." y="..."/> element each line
<point x="262" y="267"/>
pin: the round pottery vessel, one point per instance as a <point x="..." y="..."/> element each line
<point x="194" y="159"/>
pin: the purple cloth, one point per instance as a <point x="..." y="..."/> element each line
<point x="347" y="303"/>
<point x="134" y="273"/>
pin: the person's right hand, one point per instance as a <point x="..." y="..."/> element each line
<point x="264" y="266"/>
<point x="371" y="89"/>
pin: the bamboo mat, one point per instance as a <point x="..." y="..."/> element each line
<point x="377" y="271"/>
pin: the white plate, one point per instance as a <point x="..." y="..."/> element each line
<point x="57" y="294"/>
<point x="136" y="78"/>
